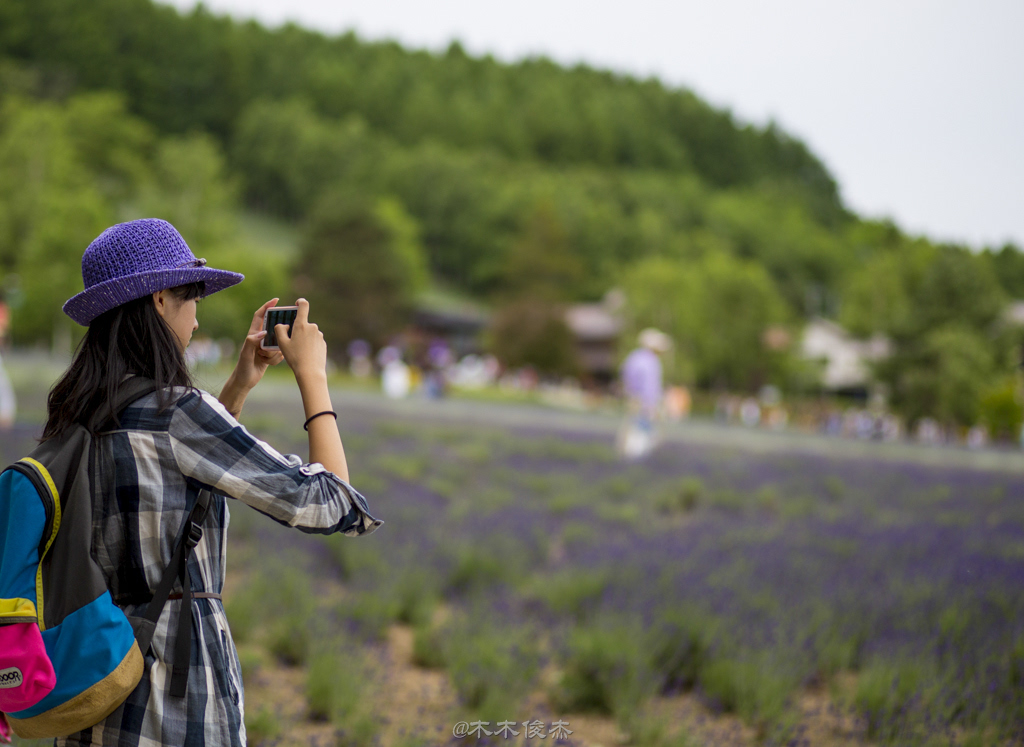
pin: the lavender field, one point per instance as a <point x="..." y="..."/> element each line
<point x="536" y="570"/>
<point x="744" y="578"/>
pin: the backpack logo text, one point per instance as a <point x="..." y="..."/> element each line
<point x="10" y="677"/>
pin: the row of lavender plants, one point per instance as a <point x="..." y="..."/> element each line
<point x="744" y="578"/>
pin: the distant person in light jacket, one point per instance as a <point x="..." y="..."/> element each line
<point x="642" y="386"/>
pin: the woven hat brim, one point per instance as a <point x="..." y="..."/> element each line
<point x="96" y="299"/>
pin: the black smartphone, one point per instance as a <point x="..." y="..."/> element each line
<point x="274" y="316"/>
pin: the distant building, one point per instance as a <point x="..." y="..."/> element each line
<point x="1014" y="313"/>
<point x="845" y="359"/>
<point x="457" y="321"/>
<point x="596" y="328"/>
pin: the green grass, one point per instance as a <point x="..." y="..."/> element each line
<point x="573" y="592"/>
<point x="288" y="639"/>
<point x="680" y="643"/>
<point x="368" y="615"/>
<point x="646" y="728"/>
<point x="492" y="666"/>
<point x="339" y="689"/>
<point x="262" y="726"/>
<point x="681" y="497"/>
<point x="755" y="688"/>
<point x="428" y="646"/>
<point x="607" y="669"/>
<point x="884" y="690"/>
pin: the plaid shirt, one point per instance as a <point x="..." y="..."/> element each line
<point x="148" y="473"/>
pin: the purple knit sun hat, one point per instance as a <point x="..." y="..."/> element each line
<point x="132" y="260"/>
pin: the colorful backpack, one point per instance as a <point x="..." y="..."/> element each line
<point x="68" y="655"/>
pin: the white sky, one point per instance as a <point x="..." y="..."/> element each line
<point x="915" y="106"/>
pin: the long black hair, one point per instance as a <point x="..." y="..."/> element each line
<point x="129" y="339"/>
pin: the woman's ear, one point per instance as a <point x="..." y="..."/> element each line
<point x="160" y="301"/>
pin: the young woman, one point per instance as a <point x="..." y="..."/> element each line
<point x="139" y="305"/>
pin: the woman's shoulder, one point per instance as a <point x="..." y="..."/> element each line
<point x="162" y="408"/>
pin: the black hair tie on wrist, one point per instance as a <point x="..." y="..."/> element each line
<point x="305" y="426"/>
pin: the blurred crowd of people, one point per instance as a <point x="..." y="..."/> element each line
<point x="431" y="368"/>
<point x="864" y="423"/>
<point x="766" y="410"/>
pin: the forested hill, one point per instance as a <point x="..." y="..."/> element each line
<point x="199" y="71"/>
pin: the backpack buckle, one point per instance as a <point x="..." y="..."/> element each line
<point x="195" y="533"/>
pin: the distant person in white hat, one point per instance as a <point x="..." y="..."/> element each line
<point x="642" y="386"/>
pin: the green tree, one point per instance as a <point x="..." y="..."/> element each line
<point x="361" y="266"/>
<point x="290" y="156"/>
<point x="957" y="287"/>
<point x="50" y="209"/>
<point x="878" y="295"/>
<point x="457" y="199"/>
<point x="187" y="185"/>
<point x="1002" y="408"/>
<point x="944" y="376"/>
<point x="805" y="259"/>
<point x="532" y="332"/>
<point x="717" y="311"/>
<point x="69" y="170"/>
<point x="116" y="147"/>
<point x="738" y="302"/>
<point x="542" y="263"/>
<point x="1008" y="265"/>
<point x="949" y="342"/>
<point x="267" y="275"/>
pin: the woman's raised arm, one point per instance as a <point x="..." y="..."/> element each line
<point x="306" y="353"/>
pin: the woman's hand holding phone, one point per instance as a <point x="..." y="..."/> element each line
<point x="253" y="362"/>
<point x="304" y="347"/>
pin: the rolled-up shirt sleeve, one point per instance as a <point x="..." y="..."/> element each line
<point x="210" y="446"/>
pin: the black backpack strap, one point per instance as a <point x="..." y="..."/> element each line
<point x="131" y="389"/>
<point x="189" y="536"/>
